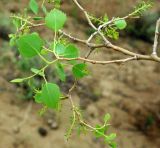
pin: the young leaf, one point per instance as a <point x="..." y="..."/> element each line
<point x="37" y="71"/>
<point x="17" y="80"/>
<point x="120" y="24"/>
<point x="107" y="117"/>
<point x="49" y="95"/>
<point x="80" y="70"/>
<point x="100" y="131"/>
<point x="44" y="9"/>
<point x="57" y="3"/>
<point x="60" y="71"/>
<point x="34" y="6"/>
<point x="111" y="137"/>
<point x="112" y="33"/>
<point x="30" y="45"/>
<point x="105" y="18"/>
<point x="37" y="97"/>
<point x="113" y="145"/>
<point x="16" y="22"/>
<point x="55" y="19"/>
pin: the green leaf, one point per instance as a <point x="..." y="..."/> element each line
<point x="49" y="95"/>
<point x="105" y="18"/>
<point x="13" y="38"/>
<point x="112" y="33"/>
<point x="34" y="6"/>
<point x="30" y="45"/>
<point x="107" y="117"/>
<point x="37" y="97"/>
<point x="44" y="52"/>
<point x="44" y="9"/>
<point x="17" y="80"/>
<point x="113" y="145"/>
<point x="59" y="49"/>
<point x="37" y="71"/>
<point x="57" y="3"/>
<point x="120" y="24"/>
<point x="71" y="51"/>
<point x="80" y="70"/>
<point x="100" y="131"/>
<point x="38" y="18"/>
<point x="111" y="137"/>
<point x="16" y="22"/>
<point x="60" y="71"/>
<point x="55" y="19"/>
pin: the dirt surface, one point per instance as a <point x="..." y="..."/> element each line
<point x="130" y="93"/>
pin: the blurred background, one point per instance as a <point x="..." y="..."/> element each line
<point x="130" y="92"/>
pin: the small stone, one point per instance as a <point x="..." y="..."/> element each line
<point x="50" y="121"/>
<point x="92" y="111"/>
<point x="54" y="125"/>
<point x="42" y="131"/>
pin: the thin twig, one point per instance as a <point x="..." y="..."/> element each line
<point x="100" y="62"/>
<point x="155" y="46"/>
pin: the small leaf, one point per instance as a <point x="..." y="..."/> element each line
<point x="112" y="33"/>
<point x="49" y="95"/>
<point x="107" y="117"/>
<point x="111" y="137"/>
<point x="44" y="52"/>
<point x="17" y="80"/>
<point x="44" y="9"/>
<point x="55" y="19"/>
<point x="38" y="18"/>
<point x="37" y="71"/>
<point x="57" y="3"/>
<point x="113" y="145"/>
<point x="60" y="71"/>
<point x="59" y="49"/>
<point x="120" y="24"/>
<point x="70" y="51"/>
<point x="38" y="97"/>
<point x="30" y="45"/>
<point x="34" y="6"/>
<point x="16" y="22"/>
<point x="80" y="70"/>
<point x="100" y="131"/>
<point x="105" y="18"/>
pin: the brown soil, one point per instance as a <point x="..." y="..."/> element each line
<point x="130" y="93"/>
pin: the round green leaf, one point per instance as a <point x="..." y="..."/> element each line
<point x="80" y="70"/>
<point x="71" y="51"/>
<point x="49" y="96"/>
<point x="120" y="24"/>
<point x="30" y="45"/>
<point x="55" y="19"/>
